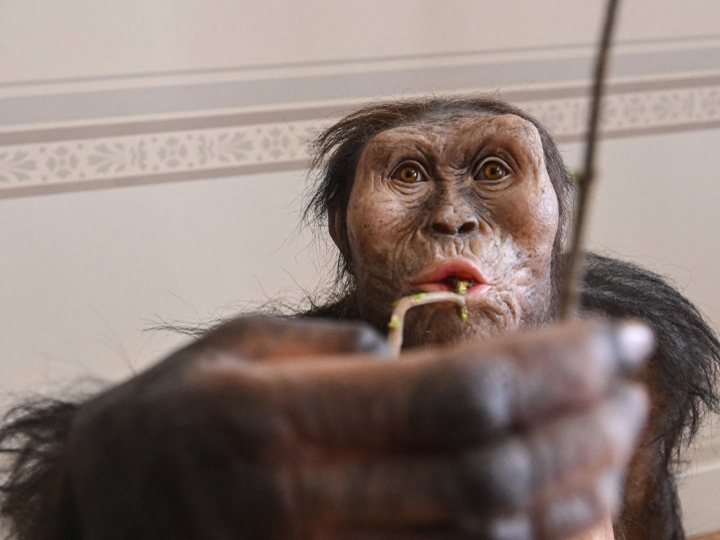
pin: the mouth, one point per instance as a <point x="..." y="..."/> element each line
<point x="453" y="275"/>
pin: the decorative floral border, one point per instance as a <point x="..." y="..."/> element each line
<point x="86" y="160"/>
<point x="226" y="150"/>
<point x="632" y="111"/>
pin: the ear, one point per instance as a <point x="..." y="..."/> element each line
<point x="338" y="232"/>
<point x="335" y="228"/>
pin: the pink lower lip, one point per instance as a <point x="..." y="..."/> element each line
<point x="476" y="290"/>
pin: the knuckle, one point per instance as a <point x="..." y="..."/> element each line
<point x="588" y="339"/>
<point x="365" y="338"/>
<point x="517" y="527"/>
<point x="237" y="408"/>
<point x="499" y="478"/>
<point x="484" y="398"/>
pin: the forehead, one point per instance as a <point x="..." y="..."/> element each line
<point x="455" y="135"/>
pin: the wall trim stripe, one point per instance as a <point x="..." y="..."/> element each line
<point x="28" y="136"/>
<point x="121" y="129"/>
<point x="128" y="181"/>
<point x="203" y="98"/>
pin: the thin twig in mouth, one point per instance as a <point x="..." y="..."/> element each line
<point x="397" y="320"/>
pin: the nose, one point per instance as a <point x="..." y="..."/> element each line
<point x="453" y="220"/>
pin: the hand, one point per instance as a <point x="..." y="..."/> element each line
<point x="523" y="437"/>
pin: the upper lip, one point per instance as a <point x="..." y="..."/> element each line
<point x="457" y="267"/>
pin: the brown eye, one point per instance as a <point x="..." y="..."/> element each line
<point x="493" y="170"/>
<point x="408" y="174"/>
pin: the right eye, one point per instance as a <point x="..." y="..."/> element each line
<point x="408" y="174"/>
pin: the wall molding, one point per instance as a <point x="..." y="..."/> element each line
<point x="73" y="158"/>
<point x="115" y="98"/>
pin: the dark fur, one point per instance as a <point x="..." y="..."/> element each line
<point x="36" y="499"/>
<point x="681" y="378"/>
<point x="37" y="495"/>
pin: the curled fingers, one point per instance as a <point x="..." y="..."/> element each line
<point x="560" y="475"/>
<point x="445" y="398"/>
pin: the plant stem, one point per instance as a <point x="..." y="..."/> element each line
<point x="574" y="264"/>
<point x="397" y="320"/>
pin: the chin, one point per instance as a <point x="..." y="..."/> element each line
<point x="441" y="325"/>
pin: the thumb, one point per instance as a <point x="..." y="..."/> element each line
<point x="258" y="337"/>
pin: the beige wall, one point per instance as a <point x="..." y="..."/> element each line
<point x="152" y="154"/>
<point x="45" y="39"/>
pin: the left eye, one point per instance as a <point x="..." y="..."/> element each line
<point x="492" y="169"/>
<point x="408" y="174"/>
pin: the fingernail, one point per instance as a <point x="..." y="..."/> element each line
<point x="625" y="414"/>
<point x="610" y="490"/>
<point x="635" y="342"/>
<point x="368" y="340"/>
<point x="636" y="404"/>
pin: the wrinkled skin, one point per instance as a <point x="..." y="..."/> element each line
<point x="290" y="429"/>
<point x="506" y="226"/>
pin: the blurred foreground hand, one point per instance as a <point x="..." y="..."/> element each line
<point x="300" y="429"/>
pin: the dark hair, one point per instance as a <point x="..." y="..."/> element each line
<point x="682" y="378"/>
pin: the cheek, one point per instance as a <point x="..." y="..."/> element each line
<point x="531" y="218"/>
<point x="374" y="222"/>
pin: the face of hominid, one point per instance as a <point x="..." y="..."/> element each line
<point x="462" y="197"/>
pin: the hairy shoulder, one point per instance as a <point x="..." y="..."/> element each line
<point x="681" y="378"/>
<point x="35" y="496"/>
<point x="688" y="352"/>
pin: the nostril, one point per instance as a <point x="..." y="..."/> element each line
<point x="468" y="227"/>
<point x="442" y="227"/>
<point x="454" y="220"/>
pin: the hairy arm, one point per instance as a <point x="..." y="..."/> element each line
<point x="36" y="500"/>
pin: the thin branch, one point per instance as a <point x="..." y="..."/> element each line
<point x="574" y="266"/>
